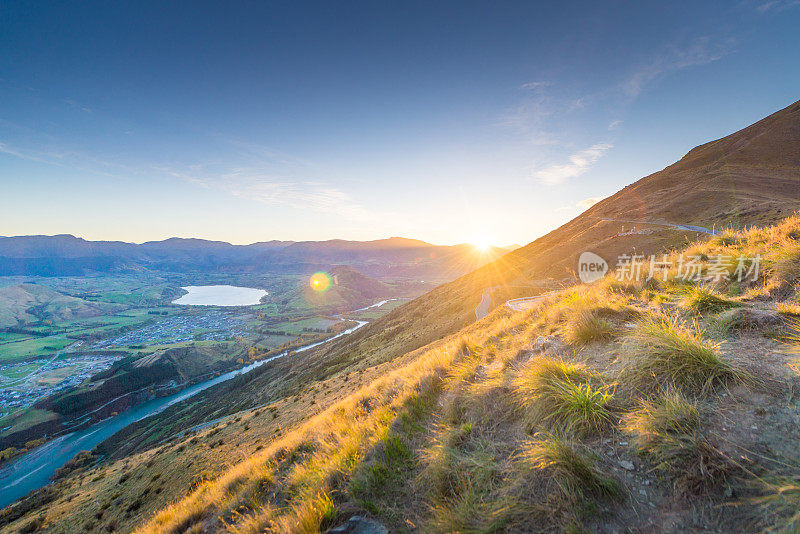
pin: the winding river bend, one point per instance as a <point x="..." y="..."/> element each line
<point x="34" y="469"/>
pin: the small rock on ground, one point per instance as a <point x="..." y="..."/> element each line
<point x="359" y="525"/>
<point x="625" y="464"/>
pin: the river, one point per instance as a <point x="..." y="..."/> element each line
<point x="33" y="470"/>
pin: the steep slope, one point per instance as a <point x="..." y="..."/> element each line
<point x="751" y="177"/>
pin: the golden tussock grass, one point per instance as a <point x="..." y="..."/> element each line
<point x="670" y="431"/>
<point x="662" y="352"/>
<point x="563" y="463"/>
<point x="563" y="396"/>
<point x="314" y="460"/>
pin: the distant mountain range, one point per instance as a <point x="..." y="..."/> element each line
<point x="67" y="255"/>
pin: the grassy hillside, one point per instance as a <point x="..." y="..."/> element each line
<point x="346" y="289"/>
<point x="610" y="406"/>
<point x="32" y="303"/>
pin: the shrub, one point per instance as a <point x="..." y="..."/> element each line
<point x="663" y="352"/>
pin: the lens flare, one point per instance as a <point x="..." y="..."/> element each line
<point x="320" y="281"/>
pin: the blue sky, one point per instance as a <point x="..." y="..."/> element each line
<point x="443" y="121"/>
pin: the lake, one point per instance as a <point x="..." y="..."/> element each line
<point x="220" y="296"/>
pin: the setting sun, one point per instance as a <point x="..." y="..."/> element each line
<point x="481" y="243"/>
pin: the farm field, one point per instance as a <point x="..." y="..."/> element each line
<point x="379" y="311"/>
<point x="28" y="347"/>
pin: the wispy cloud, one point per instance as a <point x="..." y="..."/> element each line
<point x="673" y="58"/>
<point x="77" y="105"/>
<point x="255" y="184"/>
<point x="5" y="149"/>
<point x="772" y="5"/>
<point x="538" y="113"/>
<point x="579" y="163"/>
<point x="536" y="85"/>
<point x="314" y="196"/>
<point x="52" y="157"/>
<point x="589" y="202"/>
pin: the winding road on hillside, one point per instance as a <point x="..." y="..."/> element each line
<point x="519" y="304"/>
<point x="526" y="303"/>
<point x="682" y="227"/>
<point x="483" y="306"/>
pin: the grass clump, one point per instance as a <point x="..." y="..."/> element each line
<point x="315" y="514"/>
<point x="702" y="299"/>
<point x="785" y="263"/>
<point x="471" y="507"/>
<point x="563" y="396"/>
<point x="670" y="414"/>
<point x="442" y="458"/>
<point x="781" y="504"/>
<point x="461" y="475"/>
<point x="567" y="468"/>
<point x="663" y="352"/>
<point x="383" y="474"/>
<point x="669" y="431"/>
<point x="588" y="326"/>
<point x="789" y="309"/>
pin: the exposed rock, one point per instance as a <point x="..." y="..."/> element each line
<point x="625" y="464"/>
<point x="359" y="525"/>
<point x="546" y="344"/>
<point x="751" y="318"/>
